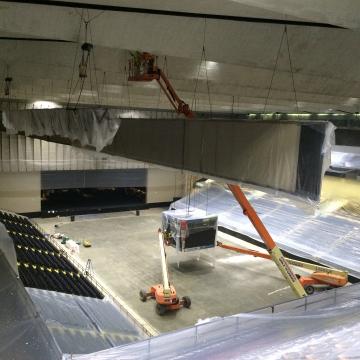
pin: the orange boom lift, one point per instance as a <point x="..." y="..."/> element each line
<point x="321" y="276"/>
<point x="165" y="293"/>
<point x="142" y="67"/>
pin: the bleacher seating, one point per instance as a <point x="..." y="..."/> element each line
<point x="40" y="264"/>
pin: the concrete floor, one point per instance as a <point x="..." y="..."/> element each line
<point x="125" y="253"/>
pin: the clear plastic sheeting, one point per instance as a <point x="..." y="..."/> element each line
<point x="23" y="334"/>
<point x="83" y="325"/>
<point x="326" y="237"/>
<point x="345" y="157"/>
<point x="7" y="248"/>
<point x="93" y="127"/>
<point x="20" y="153"/>
<point x="189" y="231"/>
<point x="324" y="326"/>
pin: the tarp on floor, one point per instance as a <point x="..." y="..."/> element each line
<point x="297" y="227"/>
<point x="324" y="326"/>
<point x="82" y="324"/>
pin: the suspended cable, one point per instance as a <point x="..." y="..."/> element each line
<point x="128" y="90"/>
<point x="97" y="15"/>
<point x="93" y="55"/>
<point x="91" y="83"/>
<point x="86" y="62"/>
<point x="104" y="90"/>
<point x="126" y="84"/>
<point x="193" y="102"/>
<point x="292" y="72"/>
<point x="74" y="63"/>
<point x="164" y="67"/>
<point x="274" y="70"/>
<point x="189" y="188"/>
<point x="207" y="196"/>
<point x="199" y="69"/>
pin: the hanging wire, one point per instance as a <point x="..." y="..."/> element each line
<point x="96" y="16"/>
<point x="193" y="101"/>
<point x="76" y="52"/>
<point x="93" y="56"/>
<point x="126" y="84"/>
<point x="203" y="58"/>
<point x="104" y="90"/>
<point x="207" y="81"/>
<point x="274" y="70"/>
<point x="292" y="72"/>
<point x="199" y="69"/>
<point x="207" y="197"/>
<point x="165" y="70"/>
<point x="91" y="82"/>
<point x="128" y="90"/>
<point x="188" y="190"/>
<point x="80" y="92"/>
<point x="89" y="19"/>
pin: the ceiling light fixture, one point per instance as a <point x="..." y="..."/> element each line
<point x="41" y="104"/>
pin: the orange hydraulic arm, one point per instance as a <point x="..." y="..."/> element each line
<point x="244" y="251"/>
<point x="322" y="274"/>
<point x="142" y="67"/>
<point x="271" y="246"/>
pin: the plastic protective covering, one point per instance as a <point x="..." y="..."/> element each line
<point x="94" y="127"/>
<point x="23" y="334"/>
<point x="189" y="231"/>
<point x="7" y="248"/>
<point x="345" y="157"/>
<point x="21" y="153"/>
<point x="288" y="156"/>
<point x="324" y="326"/>
<point x="296" y="227"/>
<point x="83" y="325"/>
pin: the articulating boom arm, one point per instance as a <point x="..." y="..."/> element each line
<point x="271" y="246"/>
<point x="142" y="67"/>
<point x="164" y="268"/>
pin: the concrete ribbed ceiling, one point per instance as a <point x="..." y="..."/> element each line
<point x="241" y="55"/>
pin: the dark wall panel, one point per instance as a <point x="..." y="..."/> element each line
<point x="93" y="178"/>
